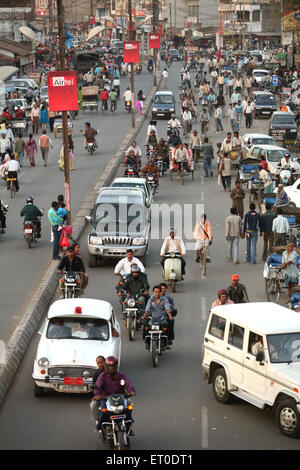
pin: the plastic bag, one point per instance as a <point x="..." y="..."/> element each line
<point x="68" y="229"/>
<point x="64" y="242"/>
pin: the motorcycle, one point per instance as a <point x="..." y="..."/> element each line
<point x="172" y="269"/>
<point x="150" y="68"/>
<point x="139" y="69"/>
<point x="128" y="106"/>
<point x="91" y="146"/>
<point x="152" y="183"/>
<point x="285" y="175"/>
<point x="132" y="312"/>
<point x="30" y="233"/>
<point x="161" y="165"/>
<point x="131" y="172"/>
<point x="116" y="428"/>
<point x="70" y="285"/>
<point x="156" y="338"/>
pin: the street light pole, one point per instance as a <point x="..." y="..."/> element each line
<point x="62" y="52"/>
<point x="131" y="37"/>
<point x="155" y="30"/>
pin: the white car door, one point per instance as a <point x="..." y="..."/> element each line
<point x="293" y="192"/>
<point x="254" y="379"/>
<point x="234" y="353"/>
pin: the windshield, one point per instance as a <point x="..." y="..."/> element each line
<point x="284" y="347"/>
<point x="78" y="328"/>
<point x="276" y="155"/>
<point x="260" y="74"/>
<point x="163" y="99"/>
<point x="265" y="99"/>
<point x="44" y="90"/>
<point x="263" y="141"/>
<point x="129" y="185"/>
<point x="122" y="218"/>
<point x="284" y="119"/>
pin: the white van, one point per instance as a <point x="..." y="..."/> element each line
<point x="252" y="351"/>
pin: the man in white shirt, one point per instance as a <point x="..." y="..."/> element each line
<point x="9" y="136"/>
<point x="165" y="77"/>
<point x="187" y="121"/>
<point x="173" y="245"/>
<point x="13" y="168"/>
<point x="123" y="268"/>
<point x="173" y="122"/>
<point x="135" y="148"/>
<point x="127" y="95"/>
<point x="4" y="144"/>
<point x="280" y="228"/>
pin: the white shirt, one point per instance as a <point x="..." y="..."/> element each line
<point x="124" y="266"/>
<point x="4" y="144"/>
<point x="151" y="127"/>
<point x="165" y="74"/>
<point x="172" y="246"/>
<point x="174" y="123"/>
<point x="9" y="134"/>
<point x="12" y="165"/>
<point x="187" y="116"/>
<point x="127" y="95"/>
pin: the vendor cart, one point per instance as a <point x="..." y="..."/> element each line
<point x="90" y="98"/>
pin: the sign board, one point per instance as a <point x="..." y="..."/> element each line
<point x="131" y="52"/>
<point x="154" y="41"/>
<point x="92" y="19"/>
<point x="36" y="76"/>
<point x="63" y="91"/>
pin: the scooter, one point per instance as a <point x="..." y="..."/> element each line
<point x="172" y="269"/>
<point x="128" y="106"/>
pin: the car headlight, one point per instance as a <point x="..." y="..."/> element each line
<point x="172" y="109"/>
<point x="96" y="240"/>
<point x="138" y="241"/>
<point x="154" y="109"/>
<point x="131" y="303"/>
<point x="43" y="362"/>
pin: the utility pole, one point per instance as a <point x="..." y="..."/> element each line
<point x="50" y="17"/>
<point x="131" y="38"/>
<point x="62" y="54"/>
<point x="155" y="20"/>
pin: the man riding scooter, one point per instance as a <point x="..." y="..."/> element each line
<point x="89" y="134"/>
<point x="171" y="249"/>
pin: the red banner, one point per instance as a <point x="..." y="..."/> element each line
<point x="154" y="41"/>
<point x="63" y="91"/>
<point x="92" y="20"/>
<point x="131" y="52"/>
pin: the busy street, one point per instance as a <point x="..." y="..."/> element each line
<point x="174" y="319"/>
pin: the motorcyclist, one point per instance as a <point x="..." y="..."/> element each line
<point x="286" y="161"/>
<point x="3" y="208"/>
<point x="135" y="282"/>
<point x="132" y="160"/>
<point x="123" y="268"/>
<point x="173" y="245"/>
<point x="158" y="307"/>
<point x="32" y="213"/>
<point x="174" y="139"/>
<point x="151" y="169"/>
<point x="173" y="124"/>
<point x="127" y="95"/>
<point x="163" y="151"/>
<point x="89" y="134"/>
<point x="150" y="63"/>
<point x="112" y="382"/>
<point x="71" y="262"/>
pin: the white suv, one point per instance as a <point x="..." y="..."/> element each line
<point x="253" y="351"/>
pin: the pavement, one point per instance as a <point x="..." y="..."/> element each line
<point x="175" y="408"/>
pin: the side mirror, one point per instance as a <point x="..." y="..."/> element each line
<point x="88" y="219"/>
<point x="260" y="357"/>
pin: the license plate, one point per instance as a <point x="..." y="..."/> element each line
<point x="160" y="114"/>
<point x="116" y="250"/>
<point x="73" y="381"/>
<point x="118" y="417"/>
<point x="266" y="112"/>
<point x="72" y="388"/>
<point x="28" y="230"/>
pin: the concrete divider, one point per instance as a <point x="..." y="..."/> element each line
<point x="22" y="335"/>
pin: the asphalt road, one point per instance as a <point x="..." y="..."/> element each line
<point x="175" y="408"/>
<point x="24" y="267"/>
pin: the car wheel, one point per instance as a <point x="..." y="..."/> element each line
<point x="288" y="418"/>
<point x="92" y="261"/>
<point x="220" y="387"/>
<point x="38" y="391"/>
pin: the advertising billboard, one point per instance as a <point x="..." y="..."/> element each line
<point x="291" y="15"/>
<point x="131" y="52"/>
<point x="63" y="91"/>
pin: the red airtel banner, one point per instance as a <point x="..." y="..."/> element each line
<point x="63" y="91"/>
<point x="131" y="52"/>
<point x="154" y="41"/>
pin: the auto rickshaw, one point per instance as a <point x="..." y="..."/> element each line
<point x="90" y="97"/>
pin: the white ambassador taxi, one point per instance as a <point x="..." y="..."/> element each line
<point x="75" y="332"/>
<point x="252" y="351"/>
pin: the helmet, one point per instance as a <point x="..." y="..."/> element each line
<point x="135" y="268"/>
<point x="29" y="200"/>
<point x="111" y="361"/>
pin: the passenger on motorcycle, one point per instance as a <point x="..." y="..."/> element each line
<point x="135" y="282"/>
<point x="135" y="148"/>
<point x="32" y="213"/>
<point x="173" y="245"/>
<point x="110" y="382"/>
<point x="174" y="139"/>
<point x="164" y="293"/>
<point x="71" y="262"/>
<point x="151" y="139"/>
<point x="159" y="307"/>
<point x="132" y="160"/>
<point x="174" y="123"/>
<point x="180" y="159"/>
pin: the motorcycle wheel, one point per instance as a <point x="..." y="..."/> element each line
<point x="154" y="353"/>
<point x="173" y="285"/>
<point x="130" y="327"/>
<point x="29" y="242"/>
<point x="122" y="440"/>
<point x="91" y="150"/>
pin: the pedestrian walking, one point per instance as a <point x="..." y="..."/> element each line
<point x="35" y="118"/>
<point x="233" y="233"/>
<point x="250" y="231"/>
<point x="218" y="118"/>
<point x="231" y="115"/>
<point x="238" y="195"/>
<point x="20" y="148"/>
<point x="225" y="171"/>
<point x="31" y="149"/>
<point x="44" y="120"/>
<point x="238" y="112"/>
<point x="208" y="154"/>
<point x="248" y="114"/>
<point x="248" y="84"/>
<point x="56" y="222"/>
<point x="45" y="142"/>
<point x="51" y="115"/>
<point x="204" y="122"/>
<point x="280" y="228"/>
<point x="61" y="161"/>
<point x="165" y="75"/>
<point x="265" y="227"/>
<point x="141" y="98"/>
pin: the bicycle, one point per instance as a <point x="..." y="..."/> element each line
<point x="12" y="186"/>
<point x="274" y="284"/>
<point x="113" y="106"/>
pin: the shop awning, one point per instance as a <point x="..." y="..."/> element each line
<point x="36" y="26"/>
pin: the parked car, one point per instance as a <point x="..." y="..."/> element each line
<point x="74" y="333"/>
<point x="273" y="154"/>
<point x="260" y="76"/>
<point x="163" y="104"/>
<point x="283" y="125"/>
<point x="175" y="54"/>
<point x="252" y="351"/>
<point x="44" y="93"/>
<point x="21" y="83"/>
<point x="293" y="192"/>
<point x="258" y="139"/>
<point x="121" y="220"/>
<point x="265" y="104"/>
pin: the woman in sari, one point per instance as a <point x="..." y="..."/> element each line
<point x="31" y="149"/>
<point x="61" y="162"/>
